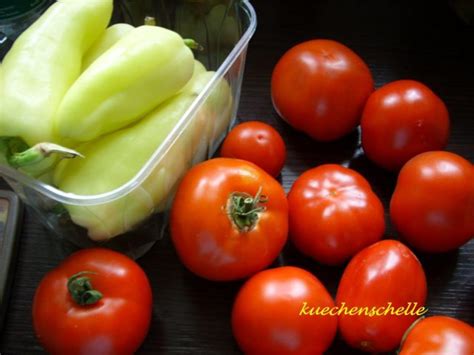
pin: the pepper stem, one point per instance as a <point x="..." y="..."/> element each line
<point x="18" y="154"/>
<point x="188" y="42"/>
<point x="243" y="209"/>
<point x="81" y="290"/>
<point x="149" y="21"/>
<point x="192" y="44"/>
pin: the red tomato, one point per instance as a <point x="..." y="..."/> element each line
<point x="334" y="214"/>
<point x="401" y="120"/>
<point x="229" y="219"/>
<point x="320" y="87"/>
<point x="433" y="203"/>
<point x="71" y="318"/>
<point x="268" y="317"/>
<point x="385" y="272"/>
<point x="258" y="143"/>
<point x="439" y="335"/>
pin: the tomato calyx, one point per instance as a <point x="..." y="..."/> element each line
<point x="243" y="209"/>
<point x="81" y="290"/>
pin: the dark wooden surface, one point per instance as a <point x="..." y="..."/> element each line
<point x="421" y="40"/>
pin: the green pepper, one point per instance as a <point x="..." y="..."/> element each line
<point x="114" y="159"/>
<point x="43" y="63"/>
<point x="144" y="68"/>
<point x="111" y="36"/>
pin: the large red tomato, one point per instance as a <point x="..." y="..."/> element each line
<point x="258" y="143"/>
<point x="272" y="314"/>
<point x="383" y="278"/>
<point x="96" y="302"/>
<point x="433" y="203"/>
<point x="229" y="219"/>
<point x="401" y="120"/>
<point x="439" y="335"/>
<point x="334" y="214"/>
<point x="320" y="87"/>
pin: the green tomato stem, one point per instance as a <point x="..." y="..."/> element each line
<point x="244" y="209"/>
<point x="81" y="290"/>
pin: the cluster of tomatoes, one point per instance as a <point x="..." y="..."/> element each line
<point x="231" y="218"/>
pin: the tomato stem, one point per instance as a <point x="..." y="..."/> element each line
<point x="81" y="290"/>
<point x="243" y="209"/>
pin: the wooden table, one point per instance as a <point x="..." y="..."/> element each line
<point x="421" y="40"/>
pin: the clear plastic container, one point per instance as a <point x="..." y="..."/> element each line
<point x="17" y="15"/>
<point x="224" y="28"/>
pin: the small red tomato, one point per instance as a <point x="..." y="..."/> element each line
<point x="229" y="219"/>
<point x="258" y="143"/>
<point x="271" y="314"/>
<point x="97" y="301"/>
<point x="432" y="206"/>
<point x="334" y="214"/>
<point x="320" y="87"/>
<point x="383" y="277"/>
<point x="401" y="120"/>
<point x="439" y="335"/>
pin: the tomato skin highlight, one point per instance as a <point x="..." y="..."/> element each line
<point x="402" y="119"/>
<point x="258" y="143"/>
<point x="206" y="239"/>
<point x="439" y="335"/>
<point x="266" y="313"/>
<point x="384" y="272"/>
<point x="432" y="206"/>
<point x="334" y="214"/>
<point x="320" y="87"/>
<point x="116" y="324"/>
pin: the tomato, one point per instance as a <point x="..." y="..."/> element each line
<point x="320" y="87"/>
<point x="400" y="120"/>
<point x="258" y="143"/>
<point x="229" y="219"/>
<point x="388" y="275"/>
<point x="439" y="335"/>
<point x="269" y="315"/>
<point x="432" y="206"/>
<point x="97" y="301"/>
<point x="334" y="214"/>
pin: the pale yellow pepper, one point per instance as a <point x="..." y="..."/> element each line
<point x="111" y="36"/>
<point x="144" y="68"/>
<point x="43" y="64"/>
<point x="114" y="159"/>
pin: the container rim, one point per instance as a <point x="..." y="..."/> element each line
<point x="87" y="200"/>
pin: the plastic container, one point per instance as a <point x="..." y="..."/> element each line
<point x="224" y="28"/>
<point x="17" y="15"/>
